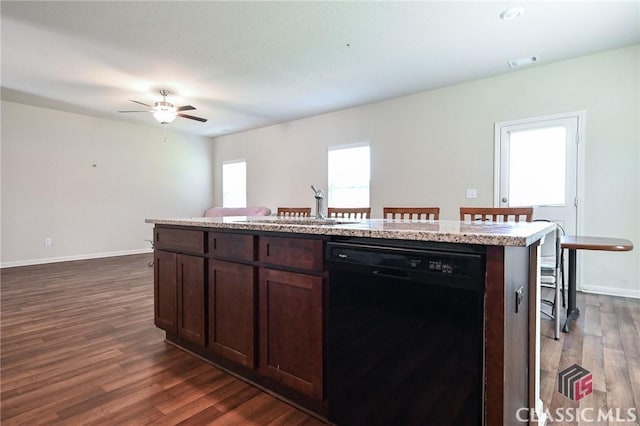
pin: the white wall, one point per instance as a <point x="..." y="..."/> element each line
<point x="51" y="189"/>
<point x="429" y="147"/>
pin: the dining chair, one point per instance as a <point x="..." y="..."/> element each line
<point x="349" y="213"/>
<point x="496" y="214"/>
<point x="408" y="213"/>
<point x="552" y="273"/>
<point x="294" y="211"/>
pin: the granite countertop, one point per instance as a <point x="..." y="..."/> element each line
<point x="519" y="234"/>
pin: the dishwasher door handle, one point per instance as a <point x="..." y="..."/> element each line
<point x="392" y="273"/>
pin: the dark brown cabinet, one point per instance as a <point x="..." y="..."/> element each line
<point x="246" y="301"/>
<point x="291" y="316"/>
<point x="232" y="292"/>
<point x="165" y="294"/>
<point x="191" y="295"/>
<point x="291" y="330"/>
<point x="179" y="297"/>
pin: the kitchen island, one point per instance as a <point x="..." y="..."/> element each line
<point x="252" y="296"/>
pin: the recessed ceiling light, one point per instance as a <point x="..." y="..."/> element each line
<point x="511" y="13"/>
<point x="514" y="63"/>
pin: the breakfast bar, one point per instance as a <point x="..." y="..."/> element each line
<point x="360" y="319"/>
<point x="574" y="243"/>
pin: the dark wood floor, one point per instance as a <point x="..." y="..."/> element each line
<point x="78" y="346"/>
<point x="605" y="340"/>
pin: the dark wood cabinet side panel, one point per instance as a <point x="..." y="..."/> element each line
<point x="179" y="240"/>
<point x="296" y="253"/>
<point x="232" y="311"/>
<point x="191" y="298"/>
<point x="291" y="332"/>
<point x="165" y="315"/>
<point x="494" y="336"/>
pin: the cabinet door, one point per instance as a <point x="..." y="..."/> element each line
<point x="232" y="292"/>
<point x="191" y="298"/>
<point x="165" y="301"/>
<point x="291" y="331"/>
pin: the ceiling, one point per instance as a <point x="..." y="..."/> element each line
<point x="245" y="65"/>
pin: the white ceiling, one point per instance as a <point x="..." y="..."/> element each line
<point x="245" y="65"/>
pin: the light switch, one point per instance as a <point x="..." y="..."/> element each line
<point x="472" y="193"/>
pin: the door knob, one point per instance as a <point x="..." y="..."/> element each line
<point x="504" y="199"/>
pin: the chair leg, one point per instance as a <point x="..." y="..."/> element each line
<point x="564" y="304"/>
<point x="555" y="307"/>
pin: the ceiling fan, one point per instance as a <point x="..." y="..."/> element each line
<point x="165" y="112"/>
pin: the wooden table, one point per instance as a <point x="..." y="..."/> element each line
<point x="576" y="242"/>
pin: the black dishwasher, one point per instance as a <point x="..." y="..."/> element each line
<point x="405" y="333"/>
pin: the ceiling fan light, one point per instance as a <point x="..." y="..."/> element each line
<point x="164" y="112"/>
<point x="164" y="117"/>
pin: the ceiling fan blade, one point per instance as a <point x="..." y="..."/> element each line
<point x="141" y="103"/>
<point x="191" y="117"/>
<point x="134" y="111"/>
<point x="185" y="108"/>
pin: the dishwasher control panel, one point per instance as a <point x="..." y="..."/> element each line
<point x="437" y="265"/>
<point x="429" y="262"/>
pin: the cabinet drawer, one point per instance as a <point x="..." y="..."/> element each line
<point x="292" y="252"/>
<point x="232" y="246"/>
<point x="179" y="240"/>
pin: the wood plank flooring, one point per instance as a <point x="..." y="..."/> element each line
<point x="605" y="340"/>
<point x="78" y="347"/>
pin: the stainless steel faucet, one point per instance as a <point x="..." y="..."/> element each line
<point x="319" y="195"/>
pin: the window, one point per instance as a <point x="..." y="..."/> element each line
<point x="234" y="184"/>
<point x="537" y="167"/>
<point x="349" y="175"/>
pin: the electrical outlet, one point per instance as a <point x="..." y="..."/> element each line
<point x="48" y="241"/>
<point x="472" y="193"/>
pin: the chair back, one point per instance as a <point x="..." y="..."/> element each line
<point x="409" y="213"/>
<point x="294" y="211"/>
<point x="496" y="214"/>
<point x="349" y="213"/>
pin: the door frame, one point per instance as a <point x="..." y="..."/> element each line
<point x="580" y="190"/>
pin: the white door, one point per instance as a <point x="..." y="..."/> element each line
<point x="536" y="165"/>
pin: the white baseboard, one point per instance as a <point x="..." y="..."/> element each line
<point x="30" y="262"/>
<point x="612" y="291"/>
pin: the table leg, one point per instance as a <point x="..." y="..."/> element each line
<point x="572" y="309"/>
